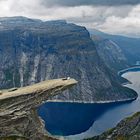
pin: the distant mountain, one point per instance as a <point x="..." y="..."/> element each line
<point x="111" y="54"/>
<point x="129" y="47"/>
<point x="33" y="51"/>
<point x="18" y="20"/>
<point x="124" y="52"/>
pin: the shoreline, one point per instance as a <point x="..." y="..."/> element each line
<point x="120" y="73"/>
<point x="136" y="68"/>
<point x="93" y="102"/>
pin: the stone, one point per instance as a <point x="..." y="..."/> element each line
<point x="18" y="108"/>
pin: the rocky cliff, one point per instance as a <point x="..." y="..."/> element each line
<point x="127" y="49"/>
<point x="127" y="129"/>
<point x="111" y="54"/>
<point x="32" y="51"/>
<point x="18" y="109"/>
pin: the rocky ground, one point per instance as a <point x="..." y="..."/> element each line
<point x="18" y="109"/>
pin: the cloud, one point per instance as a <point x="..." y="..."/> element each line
<point x="20" y="7"/>
<point x="128" y="25"/>
<point x="123" y="19"/>
<point x="71" y="3"/>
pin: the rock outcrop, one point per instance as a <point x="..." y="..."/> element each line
<point x="18" y="109"/>
<point x="32" y="51"/>
<point x="127" y="129"/>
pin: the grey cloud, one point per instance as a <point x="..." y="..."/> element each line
<point x="122" y="17"/>
<point x="69" y="3"/>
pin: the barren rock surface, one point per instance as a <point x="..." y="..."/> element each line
<point x="18" y="108"/>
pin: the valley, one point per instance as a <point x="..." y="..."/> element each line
<point x="98" y="118"/>
<point x="32" y="51"/>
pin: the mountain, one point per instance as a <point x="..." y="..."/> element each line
<point x="129" y="47"/>
<point x="110" y="53"/>
<point x="126" y="50"/>
<point x="127" y="129"/>
<point x="32" y="51"/>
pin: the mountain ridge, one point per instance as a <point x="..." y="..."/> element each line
<point x="35" y="52"/>
<point x="128" y="45"/>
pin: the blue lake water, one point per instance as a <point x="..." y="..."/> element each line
<point x="76" y="121"/>
<point x="71" y="118"/>
<point x="133" y="69"/>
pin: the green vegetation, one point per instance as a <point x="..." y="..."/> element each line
<point x="130" y="121"/>
<point x="21" y="138"/>
<point x="132" y="117"/>
<point x="13" y="138"/>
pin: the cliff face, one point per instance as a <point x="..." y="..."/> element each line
<point x="127" y="129"/>
<point x="18" y="109"/>
<point x="111" y="54"/>
<point x="126" y="48"/>
<point x="32" y="51"/>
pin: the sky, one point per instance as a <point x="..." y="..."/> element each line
<point x="111" y="16"/>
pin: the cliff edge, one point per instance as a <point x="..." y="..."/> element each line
<point x="18" y="108"/>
